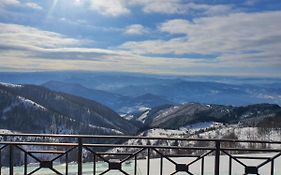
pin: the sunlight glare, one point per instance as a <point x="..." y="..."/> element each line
<point x="54" y="4"/>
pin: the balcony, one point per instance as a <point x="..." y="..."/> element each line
<point x="95" y="154"/>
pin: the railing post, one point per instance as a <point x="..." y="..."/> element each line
<point x="25" y="163"/>
<point x="11" y="152"/>
<point x="217" y="158"/>
<point x="0" y="161"/>
<point x="66" y="163"/>
<point x="148" y="161"/>
<point x="80" y="158"/>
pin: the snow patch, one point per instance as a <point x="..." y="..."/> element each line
<point x="167" y="112"/>
<point x="30" y="103"/>
<point x="21" y="100"/>
<point x="6" y="131"/>
<point x="143" y="108"/>
<point x="143" y="117"/>
<point x="107" y="130"/>
<point x="11" y="85"/>
<point x="202" y="125"/>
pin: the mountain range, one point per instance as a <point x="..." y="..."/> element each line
<point x="117" y="102"/>
<point x="30" y="108"/>
<point x="186" y="115"/>
<point x="119" y="88"/>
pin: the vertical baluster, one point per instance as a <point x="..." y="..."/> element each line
<point x="202" y="165"/>
<point x="230" y="165"/>
<point x="25" y="163"/>
<point x="161" y="165"/>
<point x="94" y="164"/>
<point x="80" y="158"/>
<point x="11" y="152"/>
<point x="135" y="170"/>
<point x="66" y="163"/>
<point x="148" y="161"/>
<point x="272" y="167"/>
<point x="217" y="158"/>
<point x="0" y="161"/>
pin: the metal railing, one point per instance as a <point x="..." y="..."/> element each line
<point x="46" y="149"/>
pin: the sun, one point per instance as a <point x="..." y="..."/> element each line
<point x="77" y="1"/>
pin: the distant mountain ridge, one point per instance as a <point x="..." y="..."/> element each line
<point x="206" y="92"/>
<point x="117" y="102"/>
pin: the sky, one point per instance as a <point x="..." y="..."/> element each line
<point x="167" y="37"/>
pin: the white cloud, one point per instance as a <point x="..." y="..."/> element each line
<point x="18" y="35"/>
<point x="33" y="5"/>
<point x="246" y="36"/>
<point x="109" y="7"/>
<point x="17" y="3"/>
<point x="38" y="43"/>
<point x="180" y="7"/>
<point x="9" y="2"/>
<point x="135" y="29"/>
<point x="244" y="45"/>
<point x="123" y="7"/>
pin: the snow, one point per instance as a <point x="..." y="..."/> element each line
<point x="265" y="96"/>
<point x="143" y="108"/>
<point x="201" y="125"/>
<point x="195" y="168"/>
<point x="10" y="85"/>
<point x="167" y="112"/>
<point x="107" y="130"/>
<point x="30" y="103"/>
<point x="128" y="117"/>
<point x="133" y="109"/>
<point x="21" y="100"/>
<point x="143" y="117"/>
<point x="214" y="131"/>
<point x="164" y="133"/>
<point x="59" y="97"/>
<point x="168" y="167"/>
<point x="5" y="131"/>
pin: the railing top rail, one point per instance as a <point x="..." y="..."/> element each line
<point x="40" y="144"/>
<point x="134" y="137"/>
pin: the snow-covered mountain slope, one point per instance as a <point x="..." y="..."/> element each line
<point x="207" y="131"/>
<point x="29" y="108"/>
<point x="174" y="117"/>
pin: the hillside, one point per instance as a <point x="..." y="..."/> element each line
<point x="174" y="117"/>
<point x="37" y="109"/>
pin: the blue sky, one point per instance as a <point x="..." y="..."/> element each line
<point x="173" y="37"/>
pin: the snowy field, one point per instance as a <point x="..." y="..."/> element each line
<point x="168" y="167"/>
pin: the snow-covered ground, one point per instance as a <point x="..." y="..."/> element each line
<point x="168" y="167"/>
<point x="201" y="125"/>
